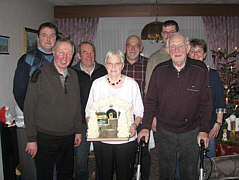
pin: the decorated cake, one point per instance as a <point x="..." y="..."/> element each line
<point x="109" y="118"/>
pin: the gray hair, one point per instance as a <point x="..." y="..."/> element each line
<point x="177" y="34"/>
<point x="61" y="40"/>
<point x="117" y="53"/>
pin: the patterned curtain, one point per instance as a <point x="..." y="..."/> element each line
<point x="78" y="29"/>
<point x="222" y="32"/>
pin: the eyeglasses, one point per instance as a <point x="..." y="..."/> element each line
<point x="133" y="47"/>
<point x="200" y="51"/>
<point x="113" y="64"/>
<point x="168" y="32"/>
<point x="45" y="36"/>
<point x="178" y="47"/>
<point x="60" y="53"/>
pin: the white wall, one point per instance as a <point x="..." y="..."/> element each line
<point x="14" y="16"/>
<point x="112" y="32"/>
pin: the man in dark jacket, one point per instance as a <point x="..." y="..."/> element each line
<point x="28" y="63"/>
<point x="180" y="97"/>
<point x="88" y="70"/>
<point x="52" y="115"/>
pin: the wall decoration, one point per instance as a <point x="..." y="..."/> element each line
<point x="4" y="45"/>
<point x="30" y="39"/>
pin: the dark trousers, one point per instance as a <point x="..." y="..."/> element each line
<point x="145" y="163"/>
<point x="55" y="151"/>
<point x="168" y="144"/>
<point x="120" y="157"/>
<point x="9" y="151"/>
<point x="81" y="171"/>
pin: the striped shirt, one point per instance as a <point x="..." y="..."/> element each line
<point x="137" y="71"/>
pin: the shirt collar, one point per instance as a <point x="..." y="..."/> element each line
<point x="90" y="73"/>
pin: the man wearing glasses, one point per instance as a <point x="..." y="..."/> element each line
<point x="180" y="97"/>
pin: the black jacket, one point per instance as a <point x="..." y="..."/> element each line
<point x="86" y="82"/>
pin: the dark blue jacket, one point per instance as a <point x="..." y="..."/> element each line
<point x="26" y="65"/>
<point x="217" y="94"/>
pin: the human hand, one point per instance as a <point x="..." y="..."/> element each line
<point x="31" y="149"/>
<point x="204" y="137"/>
<point x="145" y="133"/>
<point x="214" y="131"/>
<point x="77" y="139"/>
<point x="154" y="124"/>
<point x="132" y="130"/>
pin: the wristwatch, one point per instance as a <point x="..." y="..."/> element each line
<point x="219" y="123"/>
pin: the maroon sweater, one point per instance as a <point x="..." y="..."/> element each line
<point x="181" y="101"/>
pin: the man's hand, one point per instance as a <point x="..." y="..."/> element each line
<point x="31" y="149"/>
<point x="204" y="137"/>
<point x="214" y="131"/>
<point x="154" y="124"/>
<point x="145" y="133"/>
<point x="77" y="140"/>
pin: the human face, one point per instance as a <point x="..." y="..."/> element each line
<point x="197" y="53"/>
<point x="114" y="66"/>
<point x="167" y="31"/>
<point x="62" y="56"/>
<point x="178" y="50"/>
<point x="87" y="56"/>
<point x="133" y="48"/>
<point x="47" y="39"/>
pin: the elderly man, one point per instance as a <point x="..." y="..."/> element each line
<point x="88" y="70"/>
<point x="179" y="96"/>
<point x="135" y="67"/>
<point x="52" y="113"/>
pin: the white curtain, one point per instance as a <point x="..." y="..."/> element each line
<point x="113" y="32"/>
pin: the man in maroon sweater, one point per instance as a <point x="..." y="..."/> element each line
<point x="179" y="96"/>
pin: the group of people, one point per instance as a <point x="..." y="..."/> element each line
<point x="172" y="92"/>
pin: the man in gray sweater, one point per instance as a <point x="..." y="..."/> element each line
<point x="52" y="113"/>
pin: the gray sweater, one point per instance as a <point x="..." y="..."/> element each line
<point x="51" y="109"/>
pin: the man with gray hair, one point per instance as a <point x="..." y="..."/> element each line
<point x="179" y="96"/>
<point x="52" y="115"/>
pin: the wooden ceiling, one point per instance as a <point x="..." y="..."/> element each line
<point x="142" y="10"/>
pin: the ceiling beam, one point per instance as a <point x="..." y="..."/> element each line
<point x="130" y="10"/>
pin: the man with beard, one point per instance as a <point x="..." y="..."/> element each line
<point x="135" y="67"/>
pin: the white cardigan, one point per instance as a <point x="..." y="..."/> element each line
<point x="129" y="92"/>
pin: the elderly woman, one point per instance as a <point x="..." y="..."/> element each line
<point x="198" y="51"/>
<point x="116" y="155"/>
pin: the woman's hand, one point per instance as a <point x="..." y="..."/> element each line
<point x="132" y="129"/>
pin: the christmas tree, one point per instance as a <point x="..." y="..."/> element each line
<point x="226" y="64"/>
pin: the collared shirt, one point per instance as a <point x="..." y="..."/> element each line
<point x="90" y="73"/>
<point x="63" y="78"/>
<point x="47" y="56"/>
<point x="137" y="71"/>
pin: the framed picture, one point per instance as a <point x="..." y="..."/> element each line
<point x="30" y="39"/>
<point x="4" y="45"/>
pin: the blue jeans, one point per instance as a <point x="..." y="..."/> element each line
<point x="81" y="171"/>
<point x="212" y="148"/>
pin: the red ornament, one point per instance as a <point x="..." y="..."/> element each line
<point x="234" y="76"/>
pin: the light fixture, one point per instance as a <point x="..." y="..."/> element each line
<point x="152" y="31"/>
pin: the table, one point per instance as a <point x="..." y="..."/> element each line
<point x="225" y="149"/>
